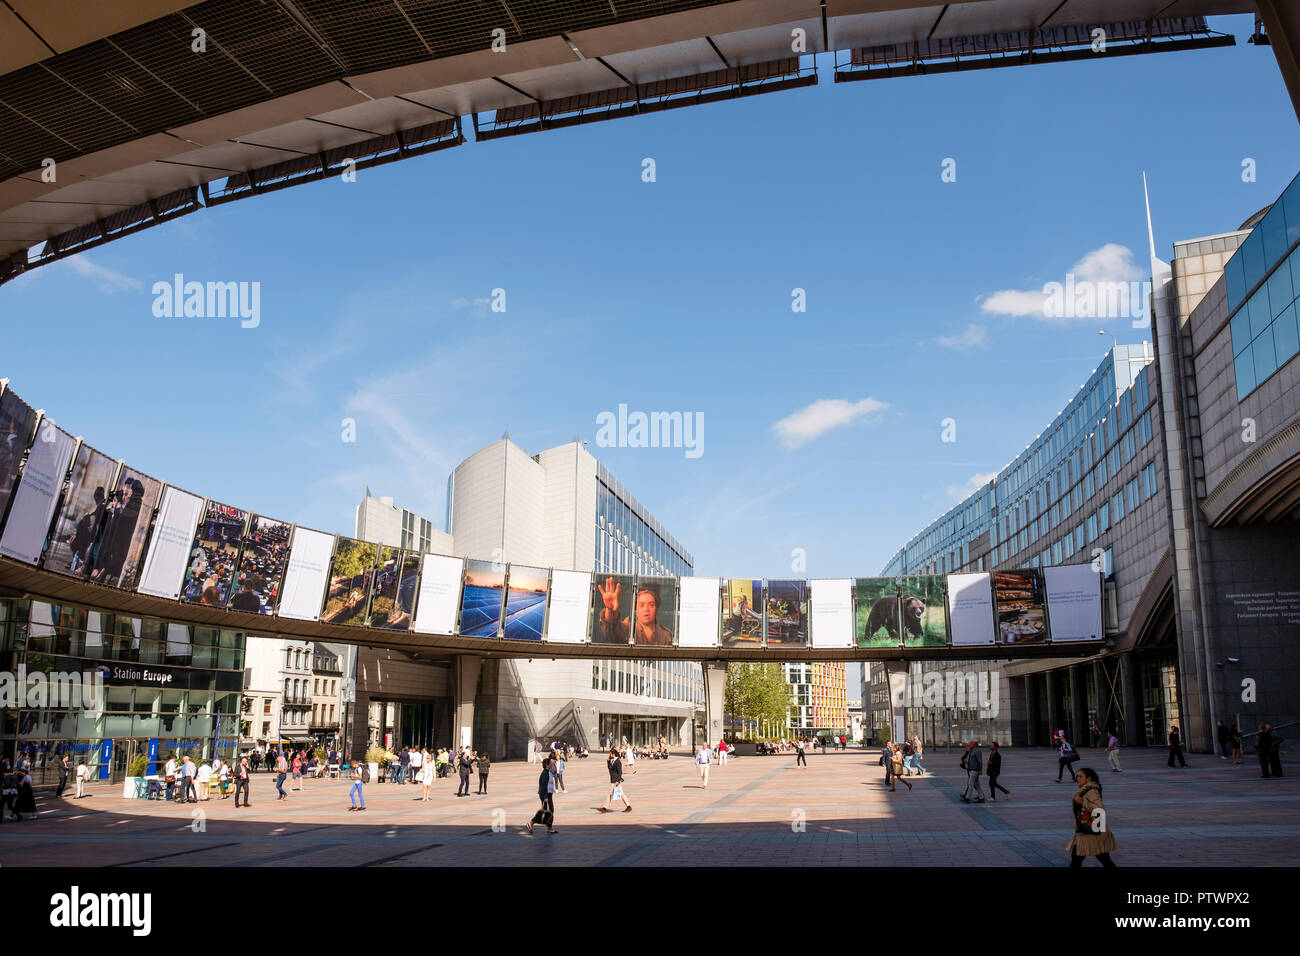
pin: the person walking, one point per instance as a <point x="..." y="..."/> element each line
<point x="560" y="764"/>
<point x="887" y="761"/>
<point x="297" y="772"/>
<point x="1092" y="836"/>
<point x="918" y="750"/>
<point x="1225" y="736"/>
<point x="1274" y="751"/>
<point x="169" y="777"/>
<point x="973" y="763"/>
<point x="1176" y="747"/>
<point x="203" y="778"/>
<point x="545" y="793"/>
<point x="64" y="773"/>
<point x="1066" y="756"/>
<point x="83" y="774"/>
<point x="908" y="754"/>
<point x="801" y="758"/>
<point x="484" y="767"/>
<point x="722" y="751"/>
<point x="896" y="764"/>
<point x="357" y="795"/>
<point x="1112" y="752"/>
<point x="242" y="775"/>
<point x="426" y="779"/>
<point x="281" y="771"/>
<point x="703" y="758"/>
<point x="187" y="775"/>
<point x="995" y="768"/>
<point x="615" y="783"/>
<point x="464" y="765"/>
<point x="1235" y="742"/>
<point x="630" y="752"/>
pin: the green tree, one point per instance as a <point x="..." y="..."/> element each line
<point x="757" y="693"/>
<point x="353" y="558"/>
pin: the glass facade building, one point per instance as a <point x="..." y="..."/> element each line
<point x="168" y="688"/>
<point x="628" y="538"/>
<point x="1263" y="287"/>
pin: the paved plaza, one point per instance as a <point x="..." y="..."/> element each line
<point x="756" y="811"/>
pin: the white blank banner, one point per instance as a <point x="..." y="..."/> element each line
<point x="698" y="612"/>
<point x="439" y="601"/>
<point x="832" y="612"/>
<point x="306" y="575"/>
<point x="37" y="494"/>
<point x="1074" y="602"/>
<point x="169" y="548"/>
<point x="566" y="620"/>
<point x="970" y="608"/>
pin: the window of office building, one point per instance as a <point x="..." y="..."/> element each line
<point x="1117" y="507"/>
<point x="1263" y="283"/>
<point x="1103" y="519"/>
<point x="1134" y="498"/>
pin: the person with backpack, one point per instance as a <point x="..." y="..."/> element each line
<point x="360" y="777"/>
<point x="545" y="793"/>
<point x="1066" y="756"/>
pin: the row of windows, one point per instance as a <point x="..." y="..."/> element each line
<point x="1266" y="328"/>
<point x="625" y="544"/>
<point x="668" y="680"/>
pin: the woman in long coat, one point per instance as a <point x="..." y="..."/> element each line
<point x="1092" y="835"/>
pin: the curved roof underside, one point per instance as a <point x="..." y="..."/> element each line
<point x="138" y="124"/>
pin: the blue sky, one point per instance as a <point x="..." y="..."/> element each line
<point x="673" y="295"/>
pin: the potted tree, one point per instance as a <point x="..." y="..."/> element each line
<point x="375" y="756"/>
<point x="134" y="782"/>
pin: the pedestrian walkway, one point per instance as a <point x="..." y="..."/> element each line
<point x="757" y="811"/>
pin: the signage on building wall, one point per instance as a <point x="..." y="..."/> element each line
<point x="142" y="676"/>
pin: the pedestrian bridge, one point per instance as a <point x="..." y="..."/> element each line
<point x="78" y="528"/>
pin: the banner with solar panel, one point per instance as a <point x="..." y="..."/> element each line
<point x="525" y="613"/>
<point x="482" y="599"/>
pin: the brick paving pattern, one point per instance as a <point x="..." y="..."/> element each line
<point x="756" y="811"/>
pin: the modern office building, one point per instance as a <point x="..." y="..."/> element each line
<point x="819" y="704"/>
<point x="1176" y="469"/>
<point x="558" y="509"/>
<point x="167" y="688"/>
<point x="381" y="521"/>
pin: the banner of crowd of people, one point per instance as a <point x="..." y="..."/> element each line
<point x="70" y="509"/>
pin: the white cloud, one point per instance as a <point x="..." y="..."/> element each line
<point x="973" y="484"/>
<point x="109" y="280"/>
<point x="975" y="336"/>
<point x="820" y="417"/>
<point x="1111" y="263"/>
